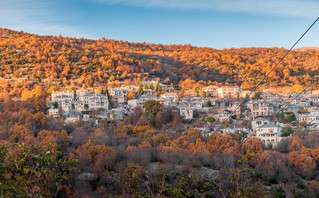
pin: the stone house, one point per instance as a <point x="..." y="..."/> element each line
<point x="269" y="134"/>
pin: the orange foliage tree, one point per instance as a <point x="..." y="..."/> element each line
<point x="251" y="149"/>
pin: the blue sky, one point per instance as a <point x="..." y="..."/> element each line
<point x="210" y="23"/>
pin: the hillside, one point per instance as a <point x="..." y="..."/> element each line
<point x="307" y="48"/>
<point x="58" y="140"/>
<point x="84" y="62"/>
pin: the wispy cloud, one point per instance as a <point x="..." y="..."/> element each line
<point x="295" y="8"/>
<point x="33" y="16"/>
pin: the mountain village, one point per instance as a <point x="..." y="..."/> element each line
<point x="225" y="109"/>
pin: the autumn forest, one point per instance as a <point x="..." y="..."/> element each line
<point x="152" y="152"/>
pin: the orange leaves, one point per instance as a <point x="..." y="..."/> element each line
<point x="143" y="145"/>
<point x="247" y="86"/>
<point x="131" y="95"/>
<point x="297" y="88"/>
<point x="302" y="157"/>
<point x="187" y="84"/>
<point x="194" y="133"/>
<point x="315" y="154"/>
<point x="302" y="161"/>
<point x="37" y="92"/>
<point x="124" y="130"/>
<point x="170" y="61"/>
<point x="143" y="131"/>
<point x="40" y="118"/>
<point x="251" y="149"/>
<point x="191" y="84"/>
<point x="101" y="156"/>
<point x="173" y="145"/>
<point x="125" y="68"/>
<point x="191" y="142"/>
<point x="21" y="134"/>
<point x="222" y="144"/>
<point x="90" y="151"/>
<point x="47" y="137"/>
<point x="160" y="138"/>
<point x="198" y="147"/>
<point x="296" y="143"/>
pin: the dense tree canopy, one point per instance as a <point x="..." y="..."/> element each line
<point x="85" y="62"/>
<point x="151" y="153"/>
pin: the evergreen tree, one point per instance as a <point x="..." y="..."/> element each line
<point x="257" y="96"/>
<point x="140" y="90"/>
<point x="163" y="91"/>
<point x="152" y="87"/>
<point x="158" y="89"/>
<point x="152" y="107"/>
<point x="55" y="105"/>
<point x="106" y="92"/>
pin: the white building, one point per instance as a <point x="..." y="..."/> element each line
<point x="79" y="106"/>
<point x="135" y="103"/>
<point x="95" y="101"/>
<point x="53" y="112"/>
<point x="80" y="92"/>
<point x="258" y="122"/>
<point x="311" y="118"/>
<point x="212" y="89"/>
<point x="269" y="134"/>
<point x="229" y="91"/>
<point x="220" y="117"/>
<point x="314" y="99"/>
<point x="149" y="92"/>
<point x="228" y="131"/>
<point x="85" y="101"/>
<point x="62" y="96"/>
<point x="166" y="102"/>
<point x="235" y="108"/>
<point x="117" y="114"/>
<point x="119" y="92"/>
<point x="260" y="108"/>
<point x="72" y="120"/>
<point x="119" y="99"/>
<point x="144" y="98"/>
<point x="186" y="112"/>
<point x="172" y="96"/>
<point x="66" y="106"/>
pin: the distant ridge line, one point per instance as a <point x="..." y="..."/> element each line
<point x="301" y="49"/>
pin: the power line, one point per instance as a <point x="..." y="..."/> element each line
<point x="286" y="105"/>
<point x="273" y="116"/>
<point x="280" y="60"/>
<point x="263" y="155"/>
<point x="271" y="119"/>
<point x="255" y="88"/>
<point x="280" y="111"/>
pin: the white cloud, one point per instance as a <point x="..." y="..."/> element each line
<point x="295" y="8"/>
<point x="34" y="16"/>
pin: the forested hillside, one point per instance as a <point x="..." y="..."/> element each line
<point x="91" y="62"/>
<point x="45" y="157"/>
<point x="152" y="151"/>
